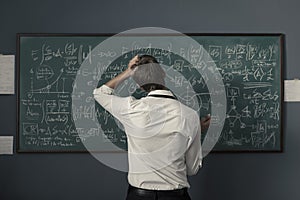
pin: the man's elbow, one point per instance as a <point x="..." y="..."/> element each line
<point x="193" y="171"/>
<point x="96" y="93"/>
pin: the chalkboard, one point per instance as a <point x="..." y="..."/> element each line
<point x="58" y="72"/>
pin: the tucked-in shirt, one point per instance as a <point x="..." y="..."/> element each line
<point x="163" y="137"/>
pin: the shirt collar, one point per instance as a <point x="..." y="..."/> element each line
<point x="161" y="92"/>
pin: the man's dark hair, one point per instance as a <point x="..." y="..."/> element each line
<point x="149" y="74"/>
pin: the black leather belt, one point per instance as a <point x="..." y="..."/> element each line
<point x="145" y="192"/>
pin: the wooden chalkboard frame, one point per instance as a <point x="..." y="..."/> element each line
<point x="282" y="64"/>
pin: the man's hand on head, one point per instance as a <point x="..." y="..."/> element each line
<point x="113" y="83"/>
<point x="132" y="65"/>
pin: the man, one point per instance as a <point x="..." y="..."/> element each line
<point x="163" y="135"/>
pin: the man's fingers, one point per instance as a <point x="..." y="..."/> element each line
<point x="205" y="122"/>
<point x="207" y="118"/>
<point x="133" y="62"/>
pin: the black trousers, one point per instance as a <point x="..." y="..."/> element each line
<point x="134" y="193"/>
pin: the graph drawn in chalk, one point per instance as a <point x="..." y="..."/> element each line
<point x="53" y="87"/>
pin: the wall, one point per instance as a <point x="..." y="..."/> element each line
<point x="223" y="176"/>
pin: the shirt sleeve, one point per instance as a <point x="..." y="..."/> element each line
<point x="114" y="104"/>
<point x="193" y="156"/>
<point x="103" y="96"/>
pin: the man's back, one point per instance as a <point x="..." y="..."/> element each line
<point x="163" y="135"/>
<point x="162" y="132"/>
<point x="163" y="138"/>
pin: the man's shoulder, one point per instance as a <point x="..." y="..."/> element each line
<point x="188" y="111"/>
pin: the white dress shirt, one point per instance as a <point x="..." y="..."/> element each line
<point x="163" y="137"/>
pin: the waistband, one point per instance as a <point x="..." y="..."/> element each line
<point x="146" y="192"/>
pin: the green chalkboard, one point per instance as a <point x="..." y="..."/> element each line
<point x="237" y="78"/>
